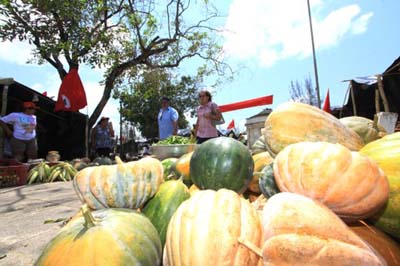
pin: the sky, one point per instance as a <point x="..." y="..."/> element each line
<point x="269" y="41"/>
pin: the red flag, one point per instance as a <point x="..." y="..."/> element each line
<point x="44" y="93"/>
<point x="327" y="104"/>
<point x="231" y="124"/>
<point x="246" y="104"/>
<point x="71" y="96"/>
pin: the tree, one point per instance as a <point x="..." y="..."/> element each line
<point x="141" y="101"/>
<point x="116" y="35"/>
<point x="304" y="94"/>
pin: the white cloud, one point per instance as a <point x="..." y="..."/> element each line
<point x="270" y="30"/>
<point x="15" y="52"/>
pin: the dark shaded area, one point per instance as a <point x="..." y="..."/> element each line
<point x="60" y="131"/>
<point x="365" y="94"/>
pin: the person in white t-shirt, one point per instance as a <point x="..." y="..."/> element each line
<point x="23" y="137"/>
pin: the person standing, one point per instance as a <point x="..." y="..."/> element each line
<point x="167" y="120"/>
<point x="23" y="136"/>
<point x="102" y="137"/>
<point x="207" y="112"/>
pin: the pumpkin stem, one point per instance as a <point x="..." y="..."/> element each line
<point x="87" y="214"/>
<point x="250" y="246"/>
<point x="118" y="160"/>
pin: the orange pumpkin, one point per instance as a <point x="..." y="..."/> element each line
<point x="209" y="229"/>
<point x="381" y="242"/>
<point x="295" y="122"/>
<point x="350" y="184"/>
<point x="301" y="231"/>
<point x="124" y="185"/>
<point x="260" y="161"/>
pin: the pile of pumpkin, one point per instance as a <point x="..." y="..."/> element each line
<point x="326" y="192"/>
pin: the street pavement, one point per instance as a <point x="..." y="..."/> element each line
<point x="23" y="212"/>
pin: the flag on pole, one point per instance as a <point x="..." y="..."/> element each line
<point x="231" y="124"/>
<point x="327" y="103"/>
<point x="71" y="96"/>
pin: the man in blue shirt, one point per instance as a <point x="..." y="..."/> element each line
<point x="167" y="120"/>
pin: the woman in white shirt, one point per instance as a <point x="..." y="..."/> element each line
<point x="23" y="137"/>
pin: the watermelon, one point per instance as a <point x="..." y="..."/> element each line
<point x="164" y="204"/>
<point x="222" y="163"/>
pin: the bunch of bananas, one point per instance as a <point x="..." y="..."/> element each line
<point x="62" y="172"/>
<point x="44" y="173"/>
<point x="39" y="173"/>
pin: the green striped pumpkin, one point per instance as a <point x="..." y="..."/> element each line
<point x="124" y="185"/>
<point x="167" y="164"/>
<point x="164" y="204"/>
<point x="267" y="182"/>
<point x="104" y="237"/>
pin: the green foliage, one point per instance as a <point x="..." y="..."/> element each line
<point x="141" y="100"/>
<point x="119" y="36"/>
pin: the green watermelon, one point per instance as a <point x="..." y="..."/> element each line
<point x="222" y="163"/>
<point x="167" y="164"/>
<point x="266" y="181"/>
<point x="164" y="204"/>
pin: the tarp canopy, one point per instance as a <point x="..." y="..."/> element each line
<point x="364" y="93"/>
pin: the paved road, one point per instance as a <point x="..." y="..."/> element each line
<point x="23" y="210"/>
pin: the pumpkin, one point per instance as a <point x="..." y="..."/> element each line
<point x="350" y="184"/>
<point x="213" y="228"/>
<point x="104" y="237"/>
<point x="258" y="146"/>
<point x="382" y="243"/>
<point x="301" y="231"/>
<point x="295" y="122"/>
<point x="367" y="129"/>
<point x="386" y="152"/>
<point x="161" y="208"/>
<point x="193" y="189"/>
<point x="260" y="161"/>
<point x="167" y="164"/>
<point x="267" y="182"/>
<point x="222" y="163"/>
<point x="181" y="168"/>
<point x="124" y="185"/>
<point x="102" y="161"/>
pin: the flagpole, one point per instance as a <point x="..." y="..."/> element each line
<point x="314" y="57"/>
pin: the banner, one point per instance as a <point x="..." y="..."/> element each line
<point x="71" y="96"/>
<point x="246" y="104"/>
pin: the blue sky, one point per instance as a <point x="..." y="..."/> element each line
<point x="270" y="41"/>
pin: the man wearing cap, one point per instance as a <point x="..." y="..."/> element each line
<point x="23" y="137"/>
<point x="167" y="120"/>
<point x="102" y="137"/>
